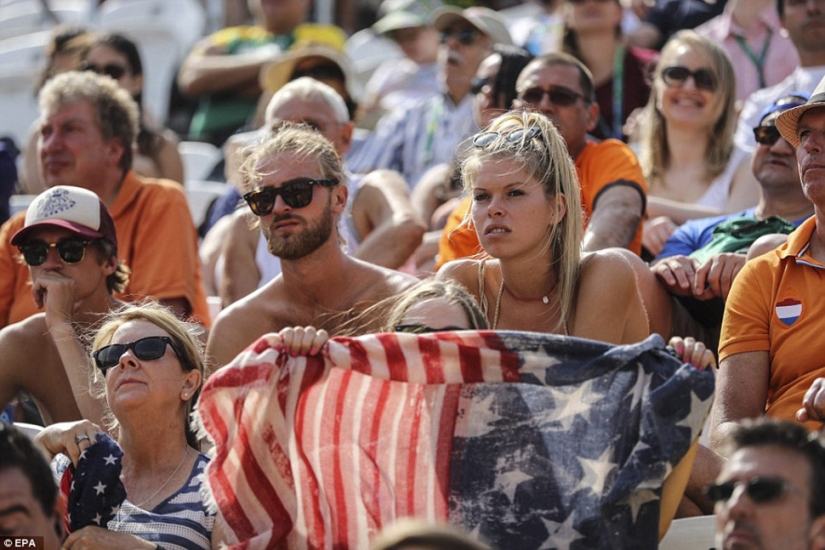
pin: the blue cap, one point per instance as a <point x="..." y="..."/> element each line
<point x="787" y="101"/>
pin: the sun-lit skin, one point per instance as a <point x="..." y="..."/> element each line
<point x="134" y="383"/>
<point x="436" y="314"/>
<point x="511" y="212"/>
<point x="687" y="104"/>
<point x="805" y="24"/>
<point x="811" y="153"/>
<point x="775" y="165"/>
<point x="784" y="523"/>
<point x="21" y="514"/>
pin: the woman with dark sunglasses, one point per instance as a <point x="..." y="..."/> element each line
<point x="151" y="366"/>
<point x="692" y="167"/>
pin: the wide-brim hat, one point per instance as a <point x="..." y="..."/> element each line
<point x="404" y="14"/>
<point x="274" y="75"/>
<point x="484" y="19"/>
<point x="74" y="208"/>
<point x="787" y="122"/>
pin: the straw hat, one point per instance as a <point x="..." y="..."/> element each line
<point x="787" y="122"/>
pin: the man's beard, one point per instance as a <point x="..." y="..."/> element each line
<point x="300" y="244"/>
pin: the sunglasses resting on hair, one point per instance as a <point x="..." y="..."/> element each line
<point x="677" y="76"/>
<point x="71" y="250"/>
<point x="296" y="193"/>
<point x="145" y="349"/>
<point x="562" y="97"/>
<point x="109" y="69"/>
<point x="486" y="138"/>
<point x="758" y="489"/>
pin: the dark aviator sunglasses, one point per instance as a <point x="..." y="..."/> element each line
<point x="296" y="193"/>
<point x="561" y="97"/>
<point x="145" y="349"/>
<point x="71" y="250"/>
<point x="759" y="489"/>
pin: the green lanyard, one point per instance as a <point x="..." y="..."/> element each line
<point x="436" y="112"/>
<point x="618" y="91"/>
<point x="758" y="62"/>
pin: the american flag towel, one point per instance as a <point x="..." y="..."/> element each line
<point x="527" y="440"/>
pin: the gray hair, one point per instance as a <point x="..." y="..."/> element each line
<point x="308" y="89"/>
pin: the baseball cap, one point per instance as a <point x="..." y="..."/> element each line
<point x="484" y="19"/>
<point x="274" y="75"/>
<point x="404" y="14"/>
<point x="787" y="122"/>
<point x="74" y="208"/>
<point x="787" y="101"/>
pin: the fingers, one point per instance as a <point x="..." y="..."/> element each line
<point x="690" y="350"/>
<point x="69" y="438"/>
<point x="813" y="403"/>
<point x="715" y="277"/>
<point x="303" y="340"/>
<point x="677" y="273"/>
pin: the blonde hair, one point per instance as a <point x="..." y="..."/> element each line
<point x="545" y="158"/>
<point x="447" y="290"/>
<point x="409" y="533"/>
<point x="188" y="348"/>
<point x="655" y="156"/>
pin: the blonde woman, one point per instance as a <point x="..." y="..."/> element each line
<point x="688" y="157"/>
<point x="527" y="213"/>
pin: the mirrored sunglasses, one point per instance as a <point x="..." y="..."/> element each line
<point x="465" y="37"/>
<point x="71" y="250"/>
<point x="145" y="349"/>
<point x="109" y="69"/>
<point x="758" y="489"/>
<point x="766" y="135"/>
<point x="677" y="76"/>
<point x="486" y="138"/>
<point x="413" y="328"/>
<point x="296" y="193"/>
<point x="563" y="97"/>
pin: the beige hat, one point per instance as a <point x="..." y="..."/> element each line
<point x="274" y="75"/>
<point x="484" y="19"/>
<point x="787" y="122"/>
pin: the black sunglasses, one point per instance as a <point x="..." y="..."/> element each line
<point x="465" y="37"/>
<point x="562" y="97"/>
<point x="328" y="71"/>
<point x="677" y="75"/>
<point x="296" y="193"/>
<point x="758" y="489"/>
<point x="110" y="69"/>
<point x="478" y="84"/>
<point x="424" y="329"/>
<point x="484" y="139"/>
<point x="146" y="349"/>
<point x="766" y="135"/>
<point x="71" y="250"/>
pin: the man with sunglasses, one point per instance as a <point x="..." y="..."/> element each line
<point x="69" y="244"/>
<point x="771" y="491"/>
<point x="613" y="189"/>
<point x="770" y="348"/>
<point x="88" y="125"/>
<point x="297" y="189"/>
<point x="413" y="139"/>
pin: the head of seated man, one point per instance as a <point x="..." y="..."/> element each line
<point x="29" y="504"/>
<point x="771" y="491"/>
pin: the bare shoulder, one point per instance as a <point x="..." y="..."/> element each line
<point x="25" y="344"/>
<point x="381" y="280"/>
<point x="464" y="270"/>
<point x="607" y="270"/>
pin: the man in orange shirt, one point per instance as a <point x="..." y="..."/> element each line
<point x="87" y="129"/>
<point x="771" y="352"/>
<point x="613" y="188"/>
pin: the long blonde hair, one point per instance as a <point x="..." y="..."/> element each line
<point x="545" y="158"/>
<point x="655" y="156"/>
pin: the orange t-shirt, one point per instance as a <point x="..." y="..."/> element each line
<point x="156" y="238"/>
<point x="600" y="165"/>
<point x="775" y="305"/>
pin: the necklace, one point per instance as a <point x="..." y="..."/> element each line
<point x="545" y="299"/>
<point x="165" y="483"/>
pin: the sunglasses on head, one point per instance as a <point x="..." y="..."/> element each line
<point x="328" y="71"/>
<point x="145" y="349"/>
<point x="677" y="76"/>
<point x="296" y="193"/>
<point x="465" y="37"/>
<point x="109" y="69"/>
<point x="766" y="135"/>
<point x="478" y="84"/>
<point x="486" y="138"/>
<point x="758" y="489"/>
<point x="561" y="97"/>
<point x="413" y="328"/>
<point x="71" y="250"/>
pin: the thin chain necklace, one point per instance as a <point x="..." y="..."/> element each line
<point x="165" y="483"/>
<point x="545" y="299"/>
